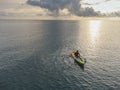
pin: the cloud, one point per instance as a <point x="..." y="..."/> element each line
<point x="107" y="0"/>
<point x="95" y="3"/>
<point x="89" y="11"/>
<point x="37" y="8"/>
<point x="23" y="10"/>
<point x="55" y="6"/>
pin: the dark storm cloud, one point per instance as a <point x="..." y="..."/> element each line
<point x="56" y="5"/>
<point x="73" y="6"/>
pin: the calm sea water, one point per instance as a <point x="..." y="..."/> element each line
<point x="34" y="55"/>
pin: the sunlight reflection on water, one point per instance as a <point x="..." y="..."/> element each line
<point x="94" y="28"/>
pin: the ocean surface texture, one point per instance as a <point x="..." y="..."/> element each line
<point x="35" y="55"/>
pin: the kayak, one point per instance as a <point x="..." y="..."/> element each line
<point x="79" y="60"/>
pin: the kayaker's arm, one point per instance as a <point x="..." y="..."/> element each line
<point x="79" y="54"/>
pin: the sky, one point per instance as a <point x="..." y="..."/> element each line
<point x="103" y="5"/>
<point x="37" y="8"/>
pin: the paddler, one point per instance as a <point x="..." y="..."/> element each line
<point x="77" y="54"/>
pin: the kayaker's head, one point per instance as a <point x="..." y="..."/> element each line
<point x="77" y="51"/>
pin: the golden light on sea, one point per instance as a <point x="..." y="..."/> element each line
<point x="94" y="28"/>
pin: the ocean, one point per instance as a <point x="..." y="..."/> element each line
<point x="35" y="54"/>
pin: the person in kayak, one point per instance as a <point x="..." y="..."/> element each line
<point x="77" y="54"/>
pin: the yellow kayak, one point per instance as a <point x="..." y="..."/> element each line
<point x="78" y="60"/>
